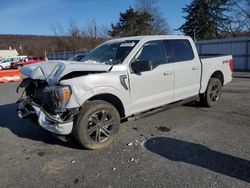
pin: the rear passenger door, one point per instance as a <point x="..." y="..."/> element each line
<point x="187" y="68"/>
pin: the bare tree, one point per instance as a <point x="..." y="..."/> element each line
<point x="238" y="23"/>
<point x="77" y="38"/>
<point x="159" y="24"/>
<point x="57" y="29"/>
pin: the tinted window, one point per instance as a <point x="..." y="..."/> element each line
<point x="153" y="51"/>
<point x="181" y="50"/>
<point x="15" y="59"/>
<point x="7" y="60"/>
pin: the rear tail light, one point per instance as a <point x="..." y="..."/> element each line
<point x="231" y="64"/>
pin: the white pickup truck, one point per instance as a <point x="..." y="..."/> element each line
<point x="119" y="79"/>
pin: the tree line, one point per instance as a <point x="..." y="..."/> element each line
<point x="210" y="19"/>
<point x="204" y="19"/>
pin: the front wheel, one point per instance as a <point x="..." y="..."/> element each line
<point x="1" y="68"/>
<point x="97" y="125"/>
<point x="212" y="94"/>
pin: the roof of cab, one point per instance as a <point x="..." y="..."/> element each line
<point x="152" y="37"/>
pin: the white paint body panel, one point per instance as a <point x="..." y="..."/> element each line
<point x="210" y="65"/>
<point x="151" y="89"/>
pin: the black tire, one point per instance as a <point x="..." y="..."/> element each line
<point x="96" y="125"/>
<point x="1" y="68"/>
<point x="212" y="94"/>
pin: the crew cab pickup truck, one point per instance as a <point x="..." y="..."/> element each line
<point x="120" y="78"/>
<point x="27" y="61"/>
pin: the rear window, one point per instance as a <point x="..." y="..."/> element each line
<point x="181" y="50"/>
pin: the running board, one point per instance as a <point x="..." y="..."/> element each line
<point x="162" y="108"/>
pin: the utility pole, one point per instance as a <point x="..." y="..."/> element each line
<point x="95" y="29"/>
<point x="20" y="47"/>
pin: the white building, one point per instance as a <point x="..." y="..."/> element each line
<point x="8" y="53"/>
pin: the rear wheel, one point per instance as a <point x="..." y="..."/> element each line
<point x="97" y="124"/>
<point x="212" y="94"/>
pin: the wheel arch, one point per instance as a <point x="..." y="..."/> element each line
<point x="219" y="75"/>
<point x="112" y="99"/>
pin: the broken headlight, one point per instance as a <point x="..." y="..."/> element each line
<point x="59" y="95"/>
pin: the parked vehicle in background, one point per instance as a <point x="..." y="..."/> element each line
<point x="6" y="62"/>
<point x="27" y="61"/>
<point x="77" y="57"/>
<point x="22" y="57"/>
<point x="120" y="78"/>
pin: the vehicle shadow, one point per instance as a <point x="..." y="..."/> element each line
<point x="199" y="155"/>
<point x="26" y="129"/>
<point x="194" y="104"/>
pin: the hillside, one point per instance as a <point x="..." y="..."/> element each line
<point x="30" y="44"/>
<point x="37" y="44"/>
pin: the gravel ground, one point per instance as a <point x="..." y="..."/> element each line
<point x="187" y="146"/>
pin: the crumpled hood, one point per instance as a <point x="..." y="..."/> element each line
<point x="52" y="71"/>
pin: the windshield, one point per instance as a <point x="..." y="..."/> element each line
<point x="110" y="53"/>
<point x="77" y="57"/>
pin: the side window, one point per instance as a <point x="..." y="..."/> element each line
<point x="181" y="50"/>
<point x="153" y="51"/>
<point x="8" y="60"/>
<point x="16" y="59"/>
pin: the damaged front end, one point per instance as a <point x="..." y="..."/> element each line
<point x="48" y="104"/>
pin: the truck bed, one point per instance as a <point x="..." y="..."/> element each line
<point x="213" y="62"/>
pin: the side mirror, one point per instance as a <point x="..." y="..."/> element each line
<point x="141" y="66"/>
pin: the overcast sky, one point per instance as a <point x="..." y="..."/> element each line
<point x="36" y="16"/>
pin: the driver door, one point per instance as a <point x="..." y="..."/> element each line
<point x="152" y="88"/>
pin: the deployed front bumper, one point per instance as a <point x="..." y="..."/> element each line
<point x="50" y="123"/>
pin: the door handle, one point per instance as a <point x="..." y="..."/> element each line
<point x="168" y="73"/>
<point x="195" y="68"/>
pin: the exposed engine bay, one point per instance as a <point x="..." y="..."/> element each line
<point x="50" y="99"/>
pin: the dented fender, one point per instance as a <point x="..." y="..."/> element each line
<point x="86" y="87"/>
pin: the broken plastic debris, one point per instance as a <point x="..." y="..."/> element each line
<point x="133" y="160"/>
<point x="72" y="161"/>
<point x="114" y="169"/>
<point x="130" y="144"/>
<point x="136" y="142"/>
